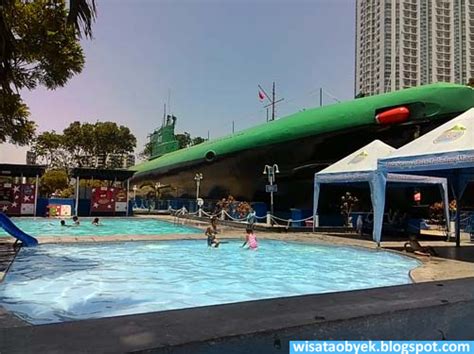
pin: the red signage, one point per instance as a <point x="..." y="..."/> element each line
<point x="16" y="199"/>
<point x="103" y="200"/>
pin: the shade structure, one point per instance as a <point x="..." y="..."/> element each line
<point x="362" y="166"/>
<point x="446" y="151"/>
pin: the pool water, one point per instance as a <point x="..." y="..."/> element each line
<point x="110" y="226"/>
<point x="56" y="283"/>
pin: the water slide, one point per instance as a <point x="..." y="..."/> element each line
<point x="12" y="229"/>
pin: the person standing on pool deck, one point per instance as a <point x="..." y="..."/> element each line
<point x="250" y="239"/>
<point x="211" y="233"/>
<point x="251" y="217"/>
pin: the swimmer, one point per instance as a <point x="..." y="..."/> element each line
<point x="211" y="233"/>
<point x="63" y="223"/>
<point x="250" y="239"/>
<point x="75" y="219"/>
<point x="96" y="222"/>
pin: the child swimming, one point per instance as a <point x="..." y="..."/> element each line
<point x="250" y="239"/>
<point x="75" y="219"/>
<point x="96" y="222"/>
<point x="211" y="233"/>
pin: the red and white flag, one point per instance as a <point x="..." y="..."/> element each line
<point x="261" y="95"/>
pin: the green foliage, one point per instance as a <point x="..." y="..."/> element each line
<point x="348" y="201"/>
<point x="81" y="15"/>
<point x="185" y="140"/>
<point x="39" y="46"/>
<point x="54" y="180"/>
<point x="48" y="146"/>
<point x="109" y="138"/>
<point x="80" y="142"/>
<point x="14" y="124"/>
<point x="146" y="153"/>
<point x="198" y="140"/>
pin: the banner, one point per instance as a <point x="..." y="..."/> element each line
<point x="17" y="199"/>
<point x="27" y="199"/>
<point x="120" y="200"/>
<point x="103" y="200"/>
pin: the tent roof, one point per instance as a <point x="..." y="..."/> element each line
<point x="16" y="170"/>
<point x="451" y="145"/>
<point x="362" y="160"/>
<point x="102" y="174"/>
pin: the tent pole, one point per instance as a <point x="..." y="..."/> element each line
<point x="315" y="205"/>
<point x="457" y="197"/>
<point x="458" y="223"/>
<point x="377" y="195"/>
<point x="444" y="196"/>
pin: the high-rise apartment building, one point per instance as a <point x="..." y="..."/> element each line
<point x="405" y="43"/>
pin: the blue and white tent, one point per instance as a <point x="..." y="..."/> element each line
<point x="446" y="151"/>
<point x="362" y="166"/>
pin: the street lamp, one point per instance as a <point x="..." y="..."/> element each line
<point x="271" y="171"/>
<point x="198" y="178"/>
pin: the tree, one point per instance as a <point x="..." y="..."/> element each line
<point x="111" y="139"/>
<point x="81" y="143"/>
<point x="471" y="82"/>
<point x="184" y="140"/>
<point x="54" y="180"/>
<point x="49" y="146"/>
<point x="39" y="45"/>
<point x="146" y="153"/>
<point x="347" y="203"/>
<point x="198" y="140"/>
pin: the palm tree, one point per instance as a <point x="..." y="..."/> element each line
<point x="81" y="16"/>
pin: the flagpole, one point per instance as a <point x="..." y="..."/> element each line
<point x="273" y="101"/>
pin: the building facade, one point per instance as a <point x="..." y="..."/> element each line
<point x="406" y="43"/>
<point x="30" y="158"/>
<point x="111" y="161"/>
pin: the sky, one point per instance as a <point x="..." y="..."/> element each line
<point x="205" y="58"/>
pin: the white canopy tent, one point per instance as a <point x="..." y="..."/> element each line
<point x="445" y="151"/>
<point x="361" y="166"/>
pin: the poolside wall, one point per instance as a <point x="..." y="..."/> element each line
<point x="426" y="311"/>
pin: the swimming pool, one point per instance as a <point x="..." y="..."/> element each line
<point x="110" y="226"/>
<point x="56" y="283"/>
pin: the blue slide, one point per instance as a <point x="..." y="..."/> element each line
<point x="12" y="229"/>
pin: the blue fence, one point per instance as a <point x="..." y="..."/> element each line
<point x="84" y="206"/>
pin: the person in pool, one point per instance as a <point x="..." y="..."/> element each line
<point x="96" y="222"/>
<point x="250" y="239"/>
<point x="63" y="223"/>
<point x="75" y="219"/>
<point x="211" y="233"/>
